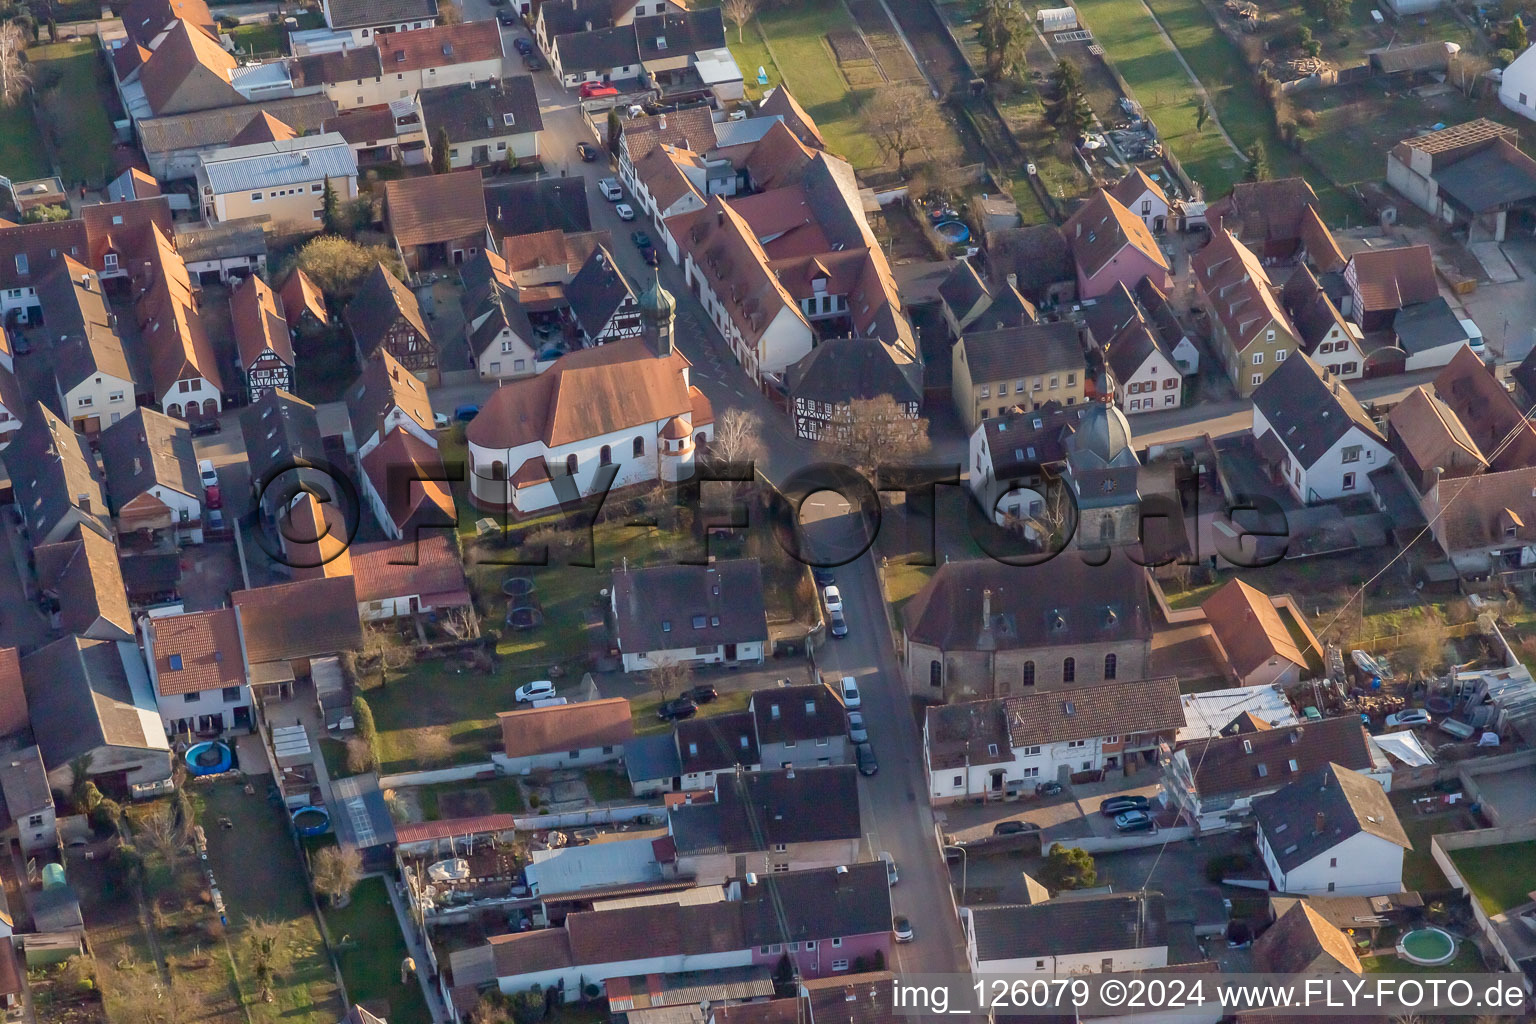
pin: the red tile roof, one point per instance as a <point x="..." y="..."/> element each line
<point x="258" y="321"/>
<point x="123" y="228"/>
<point x="301" y="295"/>
<point x="426" y="831"/>
<point x="562" y="727"/>
<point x="1238" y="289"/>
<point x="426" y="565"/>
<point x="440" y="46"/>
<point x="435" y="207"/>
<point x="1394" y="278"/>
<point x="166" y="307"/>
<point x="205" y="646"/>
<point x="396" y="467"/>
<point x="1101" y="228"/>
<point x="263" y="128"/>
<point x="1249" y="627"/>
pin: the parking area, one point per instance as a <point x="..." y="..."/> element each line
<point x="1072" y="814"/>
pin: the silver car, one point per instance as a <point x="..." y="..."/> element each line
<point x="856" y="731"/>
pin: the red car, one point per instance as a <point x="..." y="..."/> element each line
<point x="592" y="90"/>
<point x="211" y="497"/>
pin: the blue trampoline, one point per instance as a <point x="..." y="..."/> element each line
<point x="211" y="758"/>
<point x="954" y="232"/>
<point x="311" y="820"/>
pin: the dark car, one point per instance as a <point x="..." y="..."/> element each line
<point x="865" y="755"/>
<point x="22" y="346"/>
<point x="1013" y="828"/>
<point x="508" y="18"/>
<point x="823" y="577"/>
<point x="533" y="62"/>
<point x="522" y="46"/>
<point x="587" y="152"/>
<point x="679" y="708"/>
<point x="649" y="255"/>
<point x="839" y="625"/>
<point x="702" y="694"/>
<point x="641" y="239"/>
<point x="1047" y="788"/>
<point x="202" y="428"/>
<point x="1120" y="804"/>
<point x="465" y="413"/>
<point x="1134" y="821"/>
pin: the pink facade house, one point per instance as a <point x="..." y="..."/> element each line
<point x="1111" y="245"/>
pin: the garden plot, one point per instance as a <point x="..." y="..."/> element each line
<point x="890" y="52"/>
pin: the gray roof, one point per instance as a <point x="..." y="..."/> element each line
<point x="23" y="784"/>
<point x="55" y="910"/>
<point x="80" y="698"/>
<point x="381" y="300"/>
<point x="662" y="36"/>
<point x="357" y="13"/>
<point x="270" y="164"/>
<point x="1102" y="440"/>
<point x="755" y="810"/>
<point x="1007" y="309"/>
<point x="222" y="239"/>
<point x="716" y="742"/>
<point x="147" y="448"/>
<point x="651" y="757"/>
<point x="544" y="204"/>
<point x="1308" y="409"/>
<point x="962" y="288"/>
<point x="598" y="50"/>
<point x="843" y="369"/>
<point x="597" y="291"/>
<point x="280" y="429"/>
<point x="365" y="821"/>
<point x="746" y="132"/>
<point x="1320" y="810"/>
<point x="1130" y="348"/>
<point x="203" y="129"/>
<point x="51" y="471"/>
<point x="797" y="713"/>
<point x="83" y="327"/>
<point x="1110" y="313"/>
<point x="1071" y="925"/>
<point x="1428" y="325"/>
<point x="336" y="67"/>
<point x="1499" y="175"/>
<point x="666" y="607"/>
<point x="821" y="904"/>
<point x="564" y="16"/>
<point x="1016" y="443"/>
<point x="1025" y="351"/>
<point x="479" y="111"/>
<point x="1037" y="257"/>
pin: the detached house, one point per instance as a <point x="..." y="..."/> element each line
<point x="261" y="338"/>
<point x="1144" y="197"/>
<point x="385" y="316"/>
<point x="1314" y="433"/>
<point x="436" y="219"/>
<point x="152" y="481"/>
<point x="91" y="371"/>
<point x="282" y="180"/>
<point x="1254" y="639"/>
<point x="800" y="726"/>
<point x="564" y="735"/>
<point x="1332" y="830"/>
<point x="1145" y="373"/>
<point x="197" y="665"/>
<point x="55" y="479"/>
<point x="1111" y="246"/>
<point x="1249" y="329"/>
<point x="686" y="614"/>
<point x="489" y="122"/>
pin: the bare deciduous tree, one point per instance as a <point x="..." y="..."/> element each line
<point x="15" y="72"/>
<point x="267" y="952"/>
<point x="740" y="12"/>
<point x="668" y="675"/>
<point x="1422" y="644"/>
<point x="738" y="436"/>
<point x="878" y="431"/>
<point x="901" y="120"/>
<point x="337" y="871"/>
<point x="159" y="832"/>
<point x="136" y="992"/>
<point x="449" y="13"/>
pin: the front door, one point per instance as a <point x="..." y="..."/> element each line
<point x="730" y="652"/>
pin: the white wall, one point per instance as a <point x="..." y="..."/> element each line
<point x="1157" y="370"/>
<point x="640" y="661"/>
<point x="1028" y="766"/>
<point x="585" y="758"/>
<point x="103" y="395"/>
<point x="1324" y="480"/>
<point x="198" y="390"/>
<point x="1362" y="865"/>
<point x="523" y="145"/>
<point x="574" y="977"/>
<point x="1518" y="89"/>
<point x="395" y="418"/>
<point x="209" y="702"/>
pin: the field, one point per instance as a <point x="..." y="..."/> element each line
<point x="501" y="796"/>
<point x="1499" y="876"/>
<point x="367" y="936"/>
<point x="75" y="105"/>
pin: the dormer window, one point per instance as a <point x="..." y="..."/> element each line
<point x="698" y="621"/>
<point x="22" y="266"/>
<point x="810" y="707"/>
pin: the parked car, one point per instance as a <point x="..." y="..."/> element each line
<point x="625" y="211"/>
<point x="677" y="709"/>
<point x="650" y="256"/>
<point x="833" y="597"/>
<point x="215" y="521"/>
<point x="640" y="238"/>
<point x="1047" y="788"/>
<point x="212" y="498"/>
<point x="508" y="18"/>
<point x="533" y="62"/>
<point x="702" y="694"/>
<point x="207" y="474"/>
<point x="1014" y="828"/>
<point x="523" y="46"/>
<point x="856" y="730"/>
<point x="891" y="875"/>
<point x="439" y="421"/>
<point x="822" y="576"/>
<point x="21" y="345"/>
<point x="839" y="625"/>
<point x="1134" y="821"/>
<point x="1120" y="804"/>
<point x="1410" y="716"/>
<point x="203" y="428"/>
<point x="848" y="690"/>
<point x="539" y="689"/>
<point x="587" y="152"/>
<point x="610" y="189"/>
<point x="596" y="90"/>
<point x="902" y="929"/>
<point x="465" y="413"/>
<point x="864" y="754"/>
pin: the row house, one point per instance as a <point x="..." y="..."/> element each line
<point x="261" y="338"/>
<point x="152" y="479"/>
<point x="494" y="122"/>
<point x="1315" y="435"/>
<point x="384" y="316"/>
<point x="1111" y="246"/>
<point x="1002" y="747"/>
<point x="64" y="489"/>
<point x="197" y="667"/>
<point x="603" y="303"/>
<point x="359" y="22"/>
<point x="383" y="133"/>
<point x="501" y="338"/>
<point x="184" y="368"/>
<point x="1322" y="332"/>
<point x="91" y="372"/>
<point x="1249" y="329"/>
<point x="28" y="253"/>
<point x="690" y="614"/>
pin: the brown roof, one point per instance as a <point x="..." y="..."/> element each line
<point x="1135" y="184"/>
<point x="778" y="158"/>
<point x="727" y="253"/>
<point x="691" y="128"/>
<point x="301" y="295"/>
<point x="544" y="949"/>
<point x="364" y="126"/>
<point x="314" y="539"/>
<point x="83" y="573"/>
<point x="1222" y="765"/>
<point x="259" y="324"/>
<point x="1238" y="289"/>
<point x="303" y="619"/>
<point x="1102" y="227"/>
<point x="1312" y="312"/>
<point x="1249" y="627"/>
<point x="440" y="46"/>
<point x="426" y="565"/>
<point x="853" y="998"/>
<point x="1261" y="212"/>
<point x="1425" y="428"/>
<point x="968" y="733"/>
<point x="183" y="50"/>
<point x="382" y="299"/>
<point x="1491" y="418"/>
<point x="143" y="20"/>
<point x="1322" y="250"/>
<point x="386" y="384"/>
<point x="13" y="698"/>
<point x="1302" y="942"/>
<point x="538" y="249"/>
<point x="772" y="1011"/>
<point x="610" y="936"/>
<point x="585" y="394"/>
<point x="663" y="178"/>
<point x="178" y="344"/>
<point x="1088" y="711"/>
<point x="42" y="244"/>
<point x="1481" y="510"/>
<point x="435" y="207"/>
<point x="206" y="649"/>
<point x="781" y="103"/>
<point x="263" y="128"/>
<point x="1394" y="278"/>
<point x="123" y="228"/>
<point x="401" y="468"/>
<point x="562" y="727"/>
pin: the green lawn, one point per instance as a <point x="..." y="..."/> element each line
<point x="1466" y="961"/>
<point x="505" y="796"/>
<point x="433" y="716"/>
<point x="644" y="710"/>
<point x="796" y="52"/>
<point x="367" y="935"/>
<point x="21" y="144"/>
<point x="1420" y="872"/>
<point x="76" y="108"/>
<point x="259" y="39"/>
<point x="270" y="884"/>
<point x="605" y="784"/>
<point x="1499" y="876"/>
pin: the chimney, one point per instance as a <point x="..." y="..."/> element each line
<point x="720" y="216"/>
<point x="1320" y="823"/>
<point x="304" y="158"/>
<point x="138" y="465"/>
<point x="84" y="502"/>
<point x="662" y="124"/>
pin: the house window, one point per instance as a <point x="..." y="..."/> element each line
<point x="1257" y="379"/>
<point x="837" y="943"/>
<point x="1349" y="481"/>
<point x="839" y="965"/>
<point x="1069" y="670"/>
<point x="1027" y="677"/>
<point x="1055" y="383"/>
<point x="1280" y="355"/>
<point x="639" y="447"/>
<point x="1333" y="862"/>
<point x="231" y="693"/>
<point x="191" y="698"/>
<point x="959" y="781"/>
<point x="1330" y="886"/>
<point x="575" y="754"/>
<point x="35" y="821"/>
<point x="810" y="944"/>
<point x="935" y="673"/>
<point x="1351" y="453"/>
<point x="109" y="260"/>
<point x="604" y="455"/>
<point x="1269" y="335"/>
<point x="1031" y="751"/>
<point x="317" y="187"/>
<point x="986" y="391"/>
<point x="1076" y="744"/>
<point x="255" y="197"/>
<point x="1109" y="666"/>
<point x="1258" y="359"/>
<point x="780" y="847"/>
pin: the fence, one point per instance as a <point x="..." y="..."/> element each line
<point x="458" y="773"/>
<point x="1440" y="848"/>
<point x="589" y="816"/>
<point x="1111" y="844"/>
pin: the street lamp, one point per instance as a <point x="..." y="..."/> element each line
<point x="965" y="870"/>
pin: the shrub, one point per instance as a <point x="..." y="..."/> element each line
<point x="1306" y="118"/>
<point x="1226" y="866"/>
<point x="227" y="22"/>
<point x="1070" y="867"/>
<point x="362" y="720"/>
